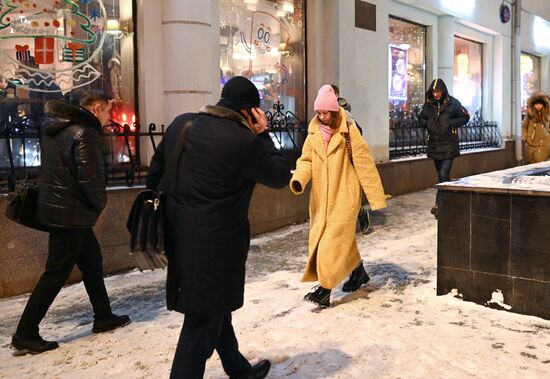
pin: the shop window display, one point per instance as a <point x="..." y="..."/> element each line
<point x="53" y="49"/>
<point x="530" y="77"/>
<point x="264" y="41"/>
<point x="468" y="74"/>
<point x="406" y="71"/>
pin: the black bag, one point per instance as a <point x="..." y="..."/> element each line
<point x="22" y="205"/>
<point x="147" y="216"/>
<point x="146" y="227"/>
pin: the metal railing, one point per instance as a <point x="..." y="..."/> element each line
<point x="20" y="147"/>
<point x="408" y="138"/>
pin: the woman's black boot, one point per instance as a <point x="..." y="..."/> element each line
<point x="357" y="278"/>
<point x="319" y="296"/>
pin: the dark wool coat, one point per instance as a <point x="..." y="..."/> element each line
<point x="72" y="184"/>
<point x="207" y="232"/>
<point x="536" y="129"/>
<point x="441" y="119"/>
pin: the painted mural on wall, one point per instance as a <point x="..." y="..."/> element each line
<point x="51" y="45"/>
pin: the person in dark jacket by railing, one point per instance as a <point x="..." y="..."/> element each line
<point x="228" y="150"/>
<point x="441" y="115"/>
<point x="72" y="196"/>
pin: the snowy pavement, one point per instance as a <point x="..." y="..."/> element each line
<point x="395" y="327"/>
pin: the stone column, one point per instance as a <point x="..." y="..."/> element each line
<point x="446" y="50"/>
<point x="190" y="48"/>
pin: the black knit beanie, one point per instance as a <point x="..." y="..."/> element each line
<point x="239" y="93"/>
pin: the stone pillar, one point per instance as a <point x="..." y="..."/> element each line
<point x="446" y="50"/>
<point x="190" y="48"/>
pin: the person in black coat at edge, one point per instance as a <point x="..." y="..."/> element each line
<point x="72" y="196"/>
<point x="441" y="115"/>
<point x="227" y="152"/>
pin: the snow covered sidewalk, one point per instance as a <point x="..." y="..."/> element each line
<point x="395" y="327"/>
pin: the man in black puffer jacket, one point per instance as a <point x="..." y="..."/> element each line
<point x="441" y="115"/>
<point x="72" y="196"/>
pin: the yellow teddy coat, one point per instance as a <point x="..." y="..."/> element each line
<point x="335" y="199"/>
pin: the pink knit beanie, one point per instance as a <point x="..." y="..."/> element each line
<point x="326" y="100"/>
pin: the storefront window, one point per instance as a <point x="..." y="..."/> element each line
<point x="264" y="41"/>
<point x="407" y="71"/>
<point x="53" y="49"/>
<point x="530" y="77"/>
<point x="468" y="74"/>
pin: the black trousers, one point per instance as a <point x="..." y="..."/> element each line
<point x="65" y="248"/>
<point x="200" y="336"/>
<point x="443" y="169"/>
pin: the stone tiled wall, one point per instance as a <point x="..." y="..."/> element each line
<point x="489" y="242"/>
<point x="23" y="251"/>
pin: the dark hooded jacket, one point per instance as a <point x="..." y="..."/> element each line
<point x="207" y="229"/>
<point x="441" y="119"/>
<point x="72" y="184"/>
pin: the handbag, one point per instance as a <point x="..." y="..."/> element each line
<point x="22" y="205"/>
<point x="146" y="227"/>
<point x="147" y="216"/>
<point x="363" y="217"/>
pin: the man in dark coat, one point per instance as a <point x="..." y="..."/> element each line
<point x="72" y="196"/>
<point x="227" y="151"/>
<point x="441" y="115"/>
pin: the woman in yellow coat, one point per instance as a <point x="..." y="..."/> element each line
<point x="335" y="196"/>
<point x="536" y="128"/>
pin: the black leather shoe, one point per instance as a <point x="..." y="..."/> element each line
<point x="32" y="346"/>
<point x="260" y="369"/>
<point x="357" y="278"/>
<point x="319" y="296"/>
<point x="111" y="323"/>
<point x="435" y="211"/>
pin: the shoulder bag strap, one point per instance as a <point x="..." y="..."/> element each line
<point x="172" y="164"/>
<point x="348" y="145"/>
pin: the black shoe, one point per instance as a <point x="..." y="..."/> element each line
<point x="319" y="296"/>
<point x="357" y="278"/>
<point x="435" y="211"/>
<point x="364" y="220"/>
<point x="111" y="323"/>
<point x="32" y="346"/>
<point x="260" y="369"/>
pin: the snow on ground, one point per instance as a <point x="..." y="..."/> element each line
<point x="395" y="327"/>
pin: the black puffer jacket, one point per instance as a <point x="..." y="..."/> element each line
<point x="441" y="119"/>
<point x="207" y="233"/>
<point x="72" y="185"/>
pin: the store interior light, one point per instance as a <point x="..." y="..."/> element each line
<point x="113" y="25"/>
<point x="114" y="29"/>
<point x="251" y="1"/>
<point x="526" y="64"/>
<point x="462" y="62"/>
<point x="288" y="6"/>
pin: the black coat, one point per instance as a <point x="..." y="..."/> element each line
<point x="72" y="184"/>
<point x="441" y="119"/>
<point x="207" y="229"/>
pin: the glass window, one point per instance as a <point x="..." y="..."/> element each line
<point x="407" y="68"/>
<point x="468" y="74"/>
<point x="264" y="41"/>
<point x="51" y="49"/>
<point x="530" y="77"/>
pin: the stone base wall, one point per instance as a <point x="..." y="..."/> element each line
<point x="495" y="247"/>
<point x="23" y="250"/>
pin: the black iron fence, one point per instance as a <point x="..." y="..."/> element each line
<point x="408" y="138"/>
<point x="20" y="147"/>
